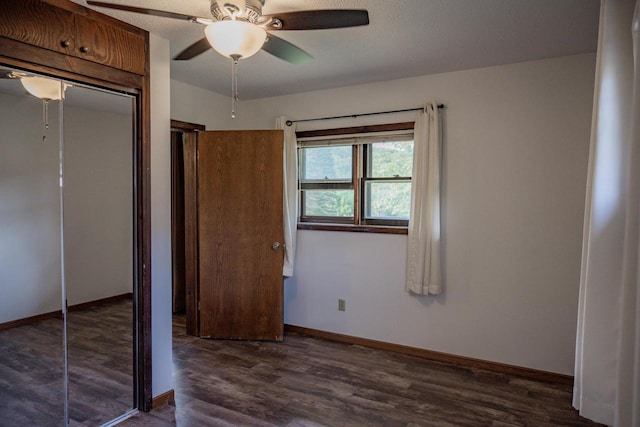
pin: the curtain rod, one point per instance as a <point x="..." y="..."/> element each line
<point x="353" y="116"/>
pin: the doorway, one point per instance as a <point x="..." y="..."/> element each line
<point x="178" y="255"/>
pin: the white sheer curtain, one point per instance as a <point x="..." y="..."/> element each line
<point x="423" y="242"/>
<point x="290" y="193"/>
<point x="607" y="370"/>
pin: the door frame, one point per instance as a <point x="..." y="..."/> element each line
<point x="180" y="219"/>
<point x="190" y="144"/>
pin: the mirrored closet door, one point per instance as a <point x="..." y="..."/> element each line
<point x="67" y="271"/>
<point x="98" y="200"/>
<point x="32" y="379"/>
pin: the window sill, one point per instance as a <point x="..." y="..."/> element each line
<point x="352" y="228"/>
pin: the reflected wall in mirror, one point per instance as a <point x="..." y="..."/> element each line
<point x="90" y="139"/>
<point x="31" y="323"/>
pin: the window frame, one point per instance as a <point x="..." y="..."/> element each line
<point x="367" y="158"/>
<point x="361" y="159"/>
<point x="331" y="185"/>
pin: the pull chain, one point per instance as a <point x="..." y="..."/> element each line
<point x="45" y="119"/>
<point x="234" y="85"/>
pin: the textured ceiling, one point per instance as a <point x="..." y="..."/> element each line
<point x="405" y="38"/>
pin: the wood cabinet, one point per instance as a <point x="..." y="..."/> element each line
<point x="40" y="24"/>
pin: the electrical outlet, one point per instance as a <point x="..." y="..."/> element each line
<point x="341" y="305"/>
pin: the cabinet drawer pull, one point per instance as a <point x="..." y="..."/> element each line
<point x="84" y="49"/>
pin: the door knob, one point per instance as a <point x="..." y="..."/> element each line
<point x="275" y="246"/>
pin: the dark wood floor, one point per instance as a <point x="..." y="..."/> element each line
<point x="100" y="361"/>
<point x="31" y="375"/>
<point x="300" y="382"/>
<point x="312" y="382"/>
<point x="100" y="358"/>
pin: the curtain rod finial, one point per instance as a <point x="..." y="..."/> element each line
<point x="288" y="123"/>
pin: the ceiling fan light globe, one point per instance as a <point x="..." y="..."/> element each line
<point x="43" y="87"/>
<point x="235" y="38"/>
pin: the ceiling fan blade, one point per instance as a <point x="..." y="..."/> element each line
<point x="194" y="50"/>
<point x="286" y="51"/>
<point x="145" y="11"/>
<point x="321" y="19"/>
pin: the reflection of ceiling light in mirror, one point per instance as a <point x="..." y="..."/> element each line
<point x="43" y="87"/>
<point x="235" y="38"/>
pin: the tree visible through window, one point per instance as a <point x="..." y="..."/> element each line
<point x="327" y="174"/>
<point x="357" y="178"/>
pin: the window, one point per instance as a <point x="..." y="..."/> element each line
<point x="356" y="176"/>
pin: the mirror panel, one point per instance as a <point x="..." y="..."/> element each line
<point x="98" y="250"/>
<point x="31" y="322"/>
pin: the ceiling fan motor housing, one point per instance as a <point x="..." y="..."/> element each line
<point x="246" y="10"/>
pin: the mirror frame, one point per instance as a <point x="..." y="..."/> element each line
<point x="30" y="58"/>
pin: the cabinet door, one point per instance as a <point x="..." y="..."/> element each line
<point x="25" y="21"/>
<point x="40" y="24"/>
<point x="109" y="45"/>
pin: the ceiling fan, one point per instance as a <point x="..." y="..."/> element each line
<point x="238" y="29"/>
<point x="249" y="14"/>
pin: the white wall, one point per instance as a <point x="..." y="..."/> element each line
<point x="200" y="106"/>
<point x="162" y="365"/>
<point x="515" y="157"/>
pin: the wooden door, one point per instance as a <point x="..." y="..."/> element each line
<point x="240" y="234"/>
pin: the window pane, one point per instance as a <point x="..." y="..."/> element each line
<point x="331" y="163"/>
<point x="388" y="200"/>
<point x="337" y="203"/>
<point x="391" y="159"/>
